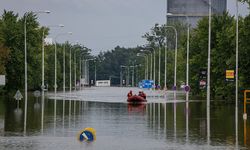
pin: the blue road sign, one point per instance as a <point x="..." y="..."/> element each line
<point x="146" y="84"/>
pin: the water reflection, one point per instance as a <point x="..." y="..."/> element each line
<point x="208" y="122"/>
<point x="18" y="112"/>
<point x="55" y="102"/>
<point x="42" y="112"/>
<point x="187" y="120"/>
<point x="63" y="114"/>
<point x="69" y="113"/>
<point x="173" y="125"/>
<point x="137" y="108"/>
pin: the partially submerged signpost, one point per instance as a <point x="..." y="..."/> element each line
<point x="18" y="96"/>
<point x="37" y="94"/>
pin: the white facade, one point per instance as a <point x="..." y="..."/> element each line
<point x="102" y="83"/>
<point x="193" y="8"/>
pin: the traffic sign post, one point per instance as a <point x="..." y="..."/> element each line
<point x="18" y="96"/>
<point x="230" y="75"/>
<point x="37" y="93"/>
<point x="187" y="88"/>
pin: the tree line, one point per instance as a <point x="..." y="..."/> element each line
<point x="12" y="54"/>
<point x="223" y="54"/>
<point x="108" y="64"/>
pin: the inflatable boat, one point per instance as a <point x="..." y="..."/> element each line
<point x="136" y="99"/>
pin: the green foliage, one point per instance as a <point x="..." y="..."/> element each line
<point x="12" y="53"/>
<point x="108" y="63"/>
<point x="222" y="54"/>
<point x="244" y="53"/>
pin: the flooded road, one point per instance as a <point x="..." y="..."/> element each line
<point x="162" y="123"/>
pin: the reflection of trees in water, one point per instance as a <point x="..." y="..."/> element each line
<point x="13" y="120"/>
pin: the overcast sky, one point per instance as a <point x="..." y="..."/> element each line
<point x="100" y="24"/>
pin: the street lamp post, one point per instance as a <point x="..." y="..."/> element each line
<point x="151" y="66"/>
<point x="165" y="58"/>
<point x="64" y="69"/>
<point x="175" y="61"/>
<point x="55" y="85"/>
<point x="154" y="69"/>
<point x="151" y="63"/>
<point x="87" y="71"/>
<point x="208" y="71"/>
<point x="166" y="49"/>
<point x="136" y="72"/>
<point x="127" y="83"/>
<point x="188" y="36"/>
<point x="70" y="84"/>
<point x="60" y="25"/>
<point x="75" y="69"/>
<point x="133" y="75"/>
<point x="236" y="71"/>
<point x="120" y="77"/>
<point x="25" y="65"/>
<point x="159" y="70"/>
<point x="237" y="55"/>
<point x="209" y="55"/>
<point x="70" y="67"/>
<point x="122" y="66"/>
<point x="80" y="69"/>
<point x="80" y="72"/>
<point x="146" y="64"/>
<point x="95" y="71"/>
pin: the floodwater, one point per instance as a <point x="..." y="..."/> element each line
<point x="164" y="122"/>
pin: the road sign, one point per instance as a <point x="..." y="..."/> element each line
<point x="43" y="87"/>
<point x="203" y="73"/>
<point x="88" y="134"/>
<point x="203" y="84"/>
<point x="147" y="84"/>
<point x="18" y="96"/>
<point x="2" y="79"/>
<point x="37" y="93"/>
<point x="187" y="88"/>
<point x="229" y="75"/>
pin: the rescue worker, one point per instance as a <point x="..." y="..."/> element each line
<point x="130" y="93"/>
<point x="142" y="94"/>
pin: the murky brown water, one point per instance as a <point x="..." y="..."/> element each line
<point x="159" y="124"/>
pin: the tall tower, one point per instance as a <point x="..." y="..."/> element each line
<point x="194" y="9"/>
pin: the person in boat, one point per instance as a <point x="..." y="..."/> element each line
<point x="130" y="93"/>
<point x="142" y="94"/>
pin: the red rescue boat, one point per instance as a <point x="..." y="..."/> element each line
<point x="136" y="99"/>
